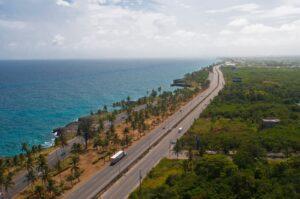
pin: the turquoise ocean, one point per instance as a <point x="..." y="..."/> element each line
<point x="38" y="95"/>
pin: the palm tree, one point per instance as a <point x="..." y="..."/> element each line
<point x="25" y="147"/>
<point x="98" y="142"/>
<point x="8" y="182"/>
<point x="41" y="163"/>
<point x="39" y="191"/>
<point x="43" y="168"/>
<point x="77" y="174"/>
<point x="2" y="177"/>
<point x="45" y="174"/>
<point x="75" y="170"/>
<point x="104" y="108"/>
<point x="126" y="132"/>
<point x="39" y="148"/>
<point x="58" y="167"/>
<point x="177" y="148"/>
<point x="185" y="166"/>
<point x="101" y="125"/>
<point x="30" y="177"/>
<point x="63" y="140"/>
<point x="29" y="162"/>
<point x="190" y="154"/>
<point x="76" y="148"/>
<point x="34" y="149"/>
<point x="84" y="129"/>
<point x="51" y="188"/>
<point x="159" y="90"/>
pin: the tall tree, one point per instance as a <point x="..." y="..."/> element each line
<point x="51" y="188"/>
<point x="39" y="191"/>
<point x="177" y="148"/>
<point x="25" y="147"/>
<point x="75" y="170"/>
<point x="85" y="129"/>
<point x="30" y="177"/>
<point x="8" y="181"/>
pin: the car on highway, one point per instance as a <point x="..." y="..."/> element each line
<point x="180" y="129"/>
<point x="117" y="157"/>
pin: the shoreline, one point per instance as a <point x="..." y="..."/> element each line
<point x="70" y="127"/>
<point x="120" y="116"/>
<point x="43" y="135"/>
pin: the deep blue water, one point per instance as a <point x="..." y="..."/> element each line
<point x="37" y="96"/>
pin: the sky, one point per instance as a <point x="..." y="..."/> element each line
<point x="63" y="29"/>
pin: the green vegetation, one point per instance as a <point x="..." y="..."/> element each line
<point x="102" y="138"/>
<point x="232" y="128"/>
<point x="236" y="114"/>
<point x="217" y="176"/>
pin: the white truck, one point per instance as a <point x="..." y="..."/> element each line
<point x="117" y="157"/>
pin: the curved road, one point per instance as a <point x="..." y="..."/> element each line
<point x="159" y="143"/>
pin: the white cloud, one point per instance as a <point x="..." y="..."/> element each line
<point x="162" y="28"/>
<point x="257" y="29"/>
<point x="10" y="24"/>
<point x="12" y="44"/>
<point x="282" y="11"/>
<point x="240" y="8"/>
<point x="64" y="3"/>
<point x="292" y="27"/>
<point x="239" y="22"/>
<point x="226" y="32"/>
<point x="58" y="40"/>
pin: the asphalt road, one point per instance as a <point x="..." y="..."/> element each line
<point x="128" y="182"/>
<point x="183" y="118"/>
<point x="19" y="180"/>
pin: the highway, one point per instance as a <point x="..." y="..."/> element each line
<point x="60" y="153"/>
<point x="159" y="143"/>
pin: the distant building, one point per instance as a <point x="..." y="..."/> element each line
<point x="236" y="79"/>
<point x="270" y="122"/>
<point x="228" y="63"/>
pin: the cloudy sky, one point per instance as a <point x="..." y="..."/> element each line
<point x="41" y="29"/>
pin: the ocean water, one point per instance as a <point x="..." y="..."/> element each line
<point x="37" y="96"/>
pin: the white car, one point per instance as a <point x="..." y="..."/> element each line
<point x="180" y="129"/>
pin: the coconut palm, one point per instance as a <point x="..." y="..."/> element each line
<point x="2" y="170"/>
<point x="59" y="169"/>
<point x="25" y="147"/>
<point x="51" y="188"/>
<point x="16" y="160"/>
<point x="177" y="148"/>
<point x="75" y="166"/>
<point x="63" y="140"/>
<point x="8" y="181"/>
<point x="29" y="162"/>
<point x="76" y="148"/>
<point x="101" y="125"/>
<point x="42" y="166"/>
<point x="97" y="142"/>
<point x="84" y="129"/>
<point x="39" y="191"/>
<point x="30" y="177"/>
<point x="41" y="163"/>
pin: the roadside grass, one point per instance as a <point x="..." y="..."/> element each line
<point x="157" y="176"/>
